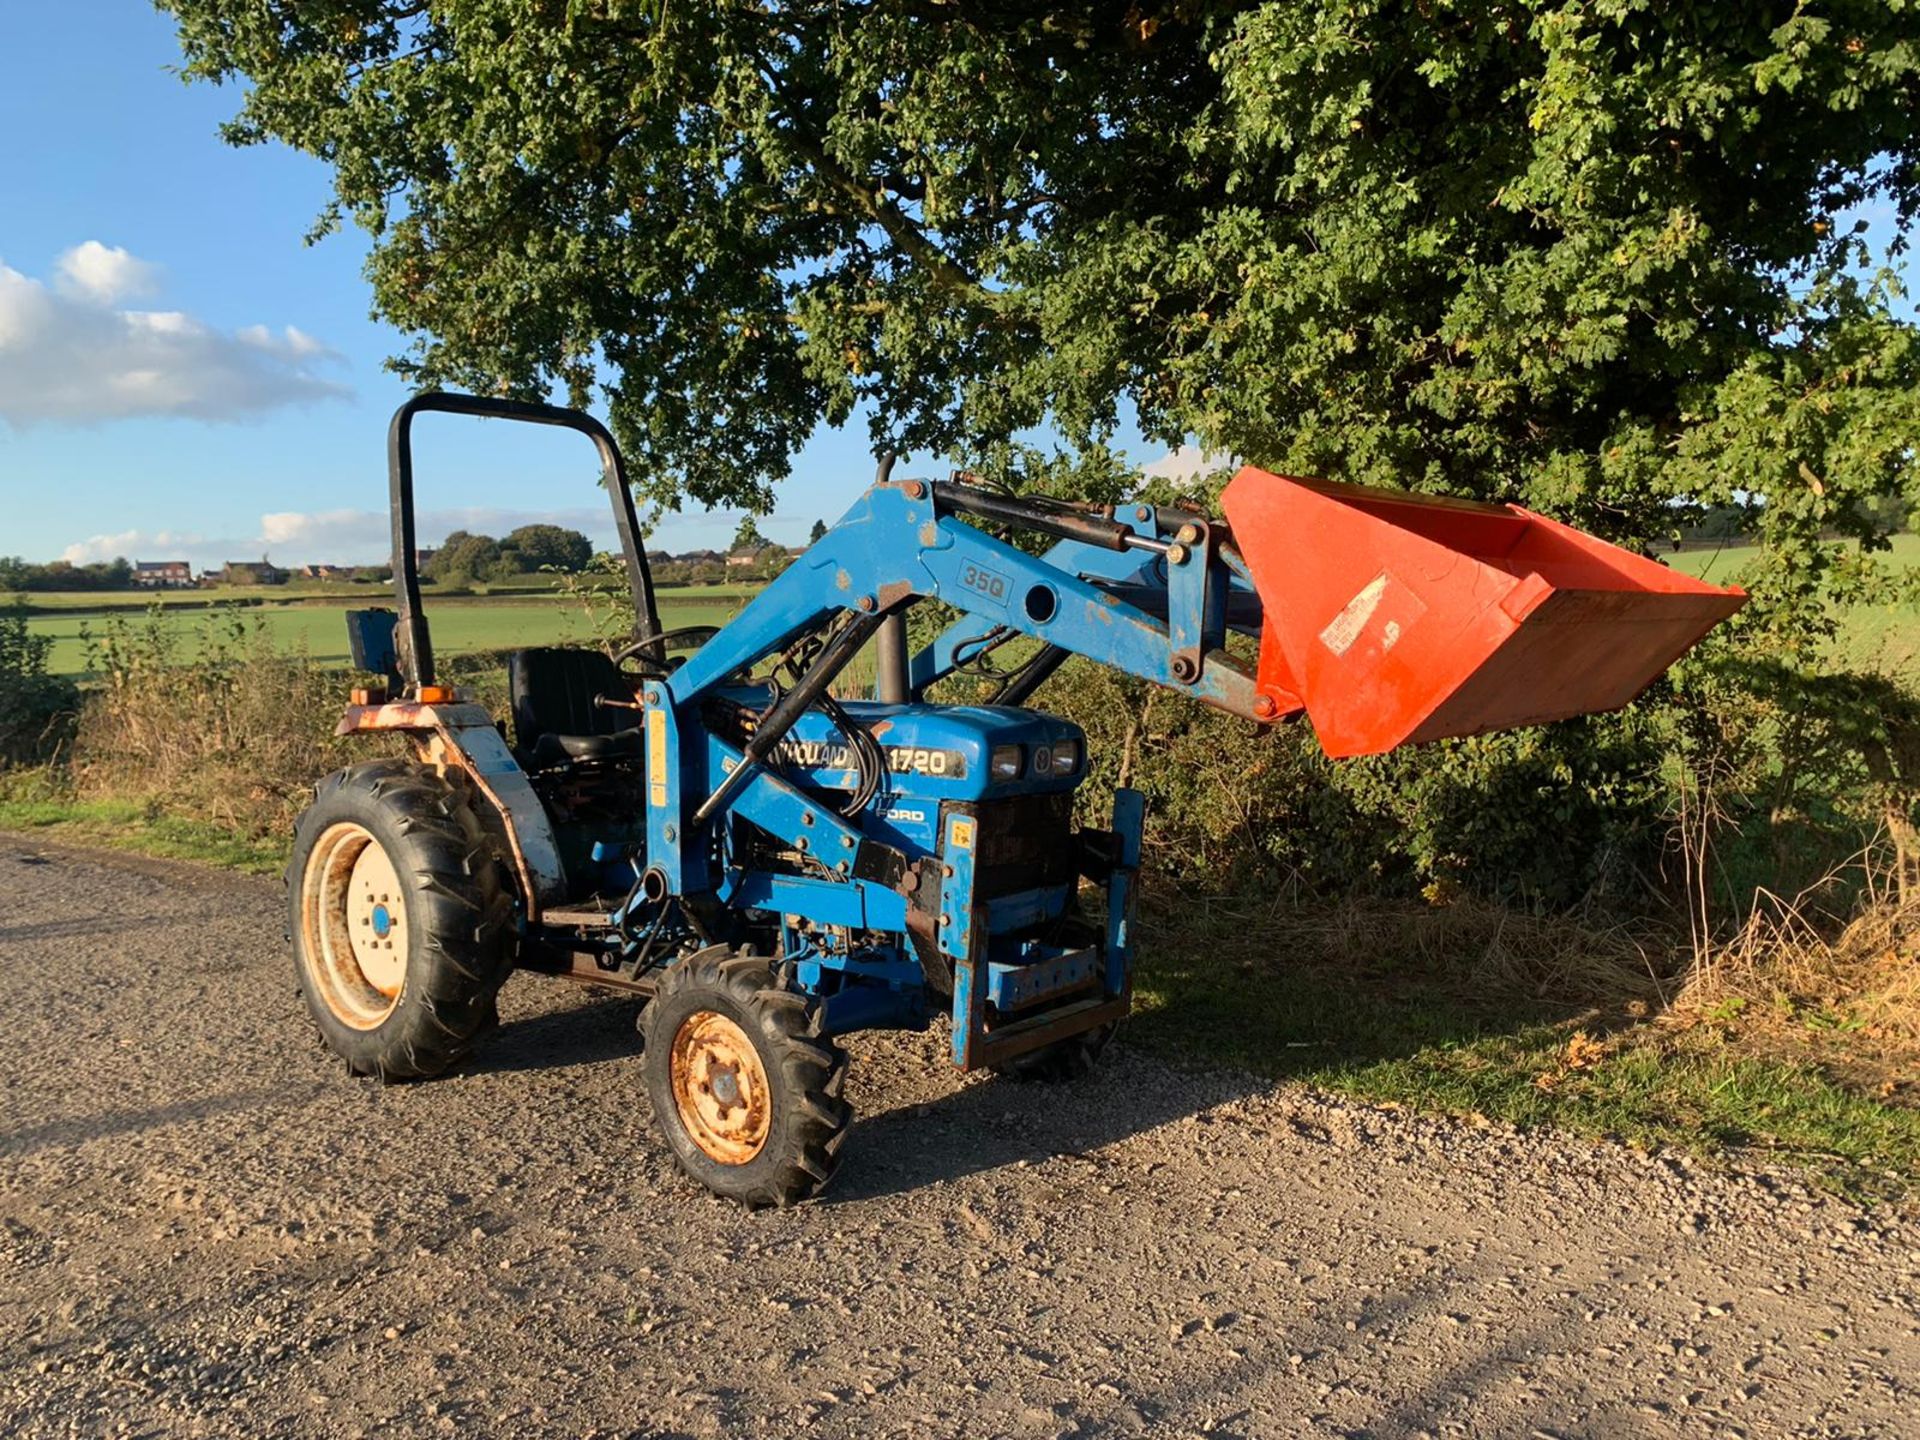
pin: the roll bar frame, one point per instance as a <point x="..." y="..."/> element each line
<point x="415" y="648"/>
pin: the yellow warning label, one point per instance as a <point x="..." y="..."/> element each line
<point x="657" y="746"/>
<point x="960" y="833"/>
<point x="657" y="756"/>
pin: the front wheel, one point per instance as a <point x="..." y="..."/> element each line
<point x="742" y="1082"/>
<point x="400" y="918"/>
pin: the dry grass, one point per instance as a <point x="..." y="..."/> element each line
<point x="1829" y="979"/>
<point x="1845" y="993"/>
<point x="235" y="738"/>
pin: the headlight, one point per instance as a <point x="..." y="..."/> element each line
<point x="1056" y="760"/>
<point x="1067" y="757"/>
<point x="1004" y="762"/>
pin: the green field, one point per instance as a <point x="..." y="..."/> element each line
<point x="1883" y="638"/>
<point x="198" y="597"/>
<point x="1880" y="638"/>
<point x="317" y="624"/>
<point x="310" y="592"/>
<point x="1724" y="566"/>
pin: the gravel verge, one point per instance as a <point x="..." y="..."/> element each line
<point x="206" y="1228"/>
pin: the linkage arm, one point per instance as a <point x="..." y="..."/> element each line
<point x="903" y="539"/>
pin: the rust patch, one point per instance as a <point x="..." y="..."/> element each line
<point x="720" y="1088"/>
<point x="894" y="591"/>
<point x="923" y="923"/>
<point x="393" y="715"/>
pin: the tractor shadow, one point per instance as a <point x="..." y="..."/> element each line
<point x="990" y="1123"/>
<point x="582" y="1031"/>
<point x="1241" y="1002"/>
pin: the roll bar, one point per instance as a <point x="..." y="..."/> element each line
<point x="416" y="650"/>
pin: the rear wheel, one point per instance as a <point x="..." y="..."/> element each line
<point x="400" y="918"/>
<point x="744" y="1085"/>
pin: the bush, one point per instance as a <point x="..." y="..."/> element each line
<point x="1549" y="817"/>
<point x="1740" y="773"/>
<point x="236" y="735"/>
<point x="36" y="708"/>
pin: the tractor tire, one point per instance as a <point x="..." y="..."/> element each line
<point x="1064" y="1060"/>
<point x="400" y="917"/>
<point x="743" y="1083"/>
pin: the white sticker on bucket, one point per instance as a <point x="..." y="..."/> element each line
<point x="1345" y="628"/>
<point x="1373" y="622"/>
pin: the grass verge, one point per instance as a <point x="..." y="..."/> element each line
<point x="1440" y="1011"/>
<point x="143" y="829"/>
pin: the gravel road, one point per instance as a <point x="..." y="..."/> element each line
<point x="207" y="1228"/>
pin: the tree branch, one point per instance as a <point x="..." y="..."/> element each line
<point x="945" y="272"/>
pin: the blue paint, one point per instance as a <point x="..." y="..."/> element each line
<point x="382" y="922"/>
<point x="933" y="865"/>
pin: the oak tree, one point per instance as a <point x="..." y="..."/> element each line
<point x="1603" y="256"/>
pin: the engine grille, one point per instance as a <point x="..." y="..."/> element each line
<point x="1026" y="841"/>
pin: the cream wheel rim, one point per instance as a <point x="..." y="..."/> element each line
<point x="354" y="919"/>
<point x="720" y="1088"/>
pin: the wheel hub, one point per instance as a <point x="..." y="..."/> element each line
<point x="720" y="1088"/>
<point x="354" y="913"/>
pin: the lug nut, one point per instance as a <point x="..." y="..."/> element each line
<point x="915" y="490"/>
<point x="1187" y="534"/>
<point x="1265" y="707"/>
<point x="1176" y="554"/>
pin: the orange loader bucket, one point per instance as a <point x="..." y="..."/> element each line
<point x="1395" y="618"/>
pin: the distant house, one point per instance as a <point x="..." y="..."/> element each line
<point x="752" y="555"/>
<point x="162" y="574"/>
<point x="325" y="572"/>
<point x="252" y="572"/>
<point x="424" y="558"/>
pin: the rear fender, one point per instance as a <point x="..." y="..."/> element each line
<point x="464" y="737"/>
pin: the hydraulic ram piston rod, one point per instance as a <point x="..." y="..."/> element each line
<point x="782" y="714"/>
<point x="1065" y="524"/>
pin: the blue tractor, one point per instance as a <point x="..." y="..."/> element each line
<point x="704" y="818"/>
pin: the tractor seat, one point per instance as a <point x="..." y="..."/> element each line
<point x="555" y="720"/>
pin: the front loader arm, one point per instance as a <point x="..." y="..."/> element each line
<point x="904" y="540"/>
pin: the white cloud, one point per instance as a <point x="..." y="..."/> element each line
<point x="359" y="534"/>
<point x="1186" y="463"/>
<point x="155" y="545"/>
<point x="68" y="355"/>
<point x="362" y="536"/>
<point x="105" y="273"/>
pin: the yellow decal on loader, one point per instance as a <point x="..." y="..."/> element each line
<point x="657" y="755"/>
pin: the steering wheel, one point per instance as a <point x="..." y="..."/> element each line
<point x="651" y="651"/>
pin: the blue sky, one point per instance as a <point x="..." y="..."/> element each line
<point x="182" y="377"/>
